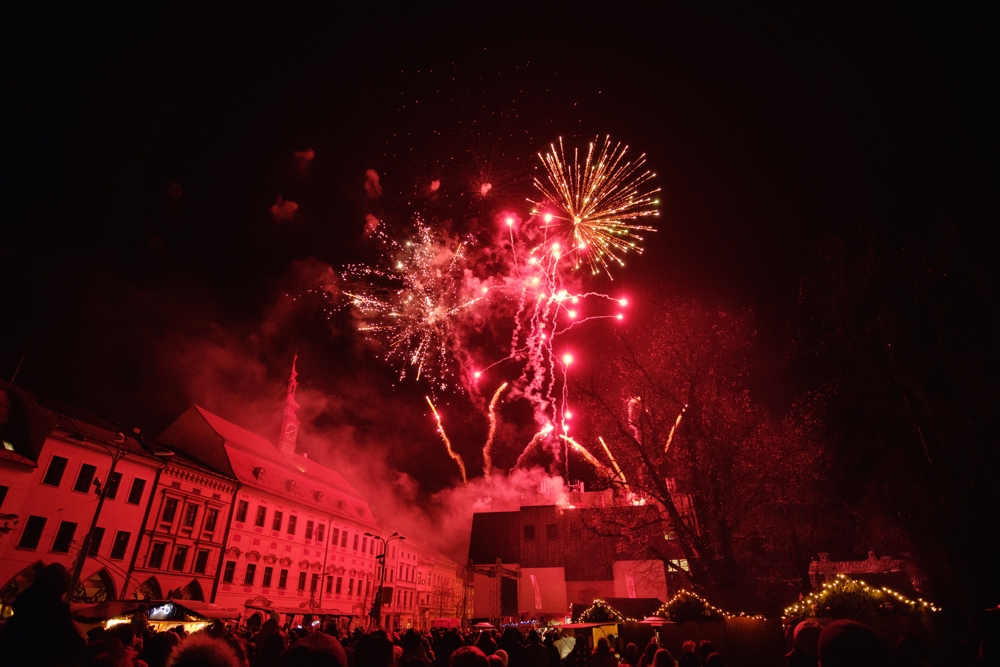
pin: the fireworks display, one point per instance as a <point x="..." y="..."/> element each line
<point x="413" y="302"/>
<point x="434" y="292"/>
<point x="592" y="204"/>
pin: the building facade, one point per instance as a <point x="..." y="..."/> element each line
<point x="297" y="542"/>
<point x="56" y="463"/>
<point x="180" y="555"/>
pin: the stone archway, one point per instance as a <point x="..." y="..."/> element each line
<point x="193" y="591"/>
<point x="16" y="586"/>
<point x="98" y="587"/>
<point x="148" y="590"/>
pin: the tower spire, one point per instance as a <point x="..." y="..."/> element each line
<point x="289" y="422"/>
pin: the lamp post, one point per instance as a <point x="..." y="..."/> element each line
<point x="377" y="608"/>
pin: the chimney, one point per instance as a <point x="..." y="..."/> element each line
<point x="289" y="422"/>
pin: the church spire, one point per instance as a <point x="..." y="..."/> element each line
<point x="289" y="422"/>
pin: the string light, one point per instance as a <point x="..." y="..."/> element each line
<point x="600" y="604"/>
<point x="885" y="597"/>
<point x="711" y="610"/>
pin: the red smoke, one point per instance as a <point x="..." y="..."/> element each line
<point x="372" y="187"/>
<point x="283" y="210"/>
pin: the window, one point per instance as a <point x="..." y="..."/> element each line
<point x="302" y="581"/>
<point x="120" y="545"/>
<point x="343" y="539"/>
<point x="95" y="541"/>
<point x="320" y="532"/>
<point x="3" y="494"/>
<point x="336" y="536"/>
<point x="114" y="481"/>
<point x="356" y="536"/>
<point x="552" y="531"/>
<point x="681" y="564"/>
<point x="276" y="525"/>
<point x="241" y="511"/>
<point x="268" y="573"/>
<point x="180" y="558"/>
<point x="201" y="561"/>
<point x="190" y="514"/>
<point x="261" y="516"/>
<point x="250" y="574"/>
<point x="314" y="583"/>
<point x="32" y="532"/>
<point x="229" y="572"/>
<point x="156" y="554"/>
<point x="329" y="585"/>
<point x="292" y="520"/>
<point x="64" y="537"/>
<point x="340" y="584"/>
<point x="368" y="588"/>
<point x="85" y="477"/>
<point x="350" y="586"/>
<point x="135" y="493"/>
<point x="283" y="579"/>
<point x="529" y="532"/>
<point x="364" y="544"/>
<point x="55" y="472"/>
<point x="211" y="518"/>
<point x="169" y="510"/>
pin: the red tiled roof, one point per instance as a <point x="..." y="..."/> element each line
<point x="255" y="462"/>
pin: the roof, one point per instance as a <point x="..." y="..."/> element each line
<point x="637" y="608"/>
<point x="32" y="418"/>
<point x="238" y="453"/>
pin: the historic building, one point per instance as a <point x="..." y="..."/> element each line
<point x="180" y="555"/>
<point x="297" y="542"/>
<point x="56" y="463"/>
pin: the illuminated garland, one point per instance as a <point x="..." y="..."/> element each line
<point x="688" y="606"/>
<point x="844" y="597"/>
<point x="678" y="609"/>
<point x="601" y="605"/>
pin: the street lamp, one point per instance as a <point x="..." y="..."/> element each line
<point x="377" y="608"/>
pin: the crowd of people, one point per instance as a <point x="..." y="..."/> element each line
<point x="41" y="633"/>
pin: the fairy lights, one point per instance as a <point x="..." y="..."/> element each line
<point x="878" y="600"/>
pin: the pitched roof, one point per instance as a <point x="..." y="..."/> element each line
<point x="35" y="417"/>
<point x="255" y="462"/>
<point x="637" y="608"/>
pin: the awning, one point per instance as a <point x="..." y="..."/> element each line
<point x="156" y="611"/>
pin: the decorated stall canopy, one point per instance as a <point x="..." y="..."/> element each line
<point x="852" y="598"/>
<point x="616" y="610"/>
<point x="682" y="607"/>
<point x="161" y="615"/>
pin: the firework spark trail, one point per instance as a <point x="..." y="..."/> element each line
<point x="488" y="448"/>
<point x="447" y="443"/>
<point x="593" y="202"/>
<point x="677" y="422"/>
<point x="534" y="441"/>
<point x="587" y="455"/>
<point x="423" y="302"/>
<point x="614" y="464"/>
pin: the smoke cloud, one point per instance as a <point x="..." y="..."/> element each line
<point x="283" y="210"/>
<point x="372" y="186"/>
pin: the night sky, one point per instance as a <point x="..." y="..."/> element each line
<point x="142" y="269"/>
